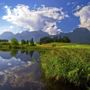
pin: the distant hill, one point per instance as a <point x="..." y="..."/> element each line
<point x="7" y="35"/>
<point x="26" y="35"/>
<point x="79" y="35"/>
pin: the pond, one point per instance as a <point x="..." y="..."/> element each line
<point x="20" y="70"/>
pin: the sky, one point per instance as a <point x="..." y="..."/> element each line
<point x="51" y="16"/>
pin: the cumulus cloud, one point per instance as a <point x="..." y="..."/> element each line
<point x="84" y="14"/>
<point x="42" y="18"/>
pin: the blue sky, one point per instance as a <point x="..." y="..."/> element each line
<point x="69" y="7"/>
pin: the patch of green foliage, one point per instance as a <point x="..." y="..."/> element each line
<point x="72" y="64"/>
<point x="14" y="41"/>
<point x="32" y="42"/>
<point x="54" y="39"/>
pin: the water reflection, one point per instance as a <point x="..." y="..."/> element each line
<point x="20" y="70"/>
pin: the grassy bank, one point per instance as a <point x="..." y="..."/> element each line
<point x="70" y="63"/>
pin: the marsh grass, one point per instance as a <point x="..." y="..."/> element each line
<point x="71" y="64"/>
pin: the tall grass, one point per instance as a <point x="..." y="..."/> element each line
<point x="71" y="64"/>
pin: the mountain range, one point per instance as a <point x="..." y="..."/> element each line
<point x="79" y="35"/>
<point x="26" y="35"/>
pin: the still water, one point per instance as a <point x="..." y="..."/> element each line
<point x="20" y="70"/>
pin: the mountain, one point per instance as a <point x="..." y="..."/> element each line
<point x="7" y="35"/>
<point x="79" y="35"/>
<point x="26" y="35"/>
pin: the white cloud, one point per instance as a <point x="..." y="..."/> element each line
<point x="42" y="18"/>
<point x="11" y="27"/>
<point x="84" y="14"/>
<point x="5" y="29"/>
<point x="52" y="28"/>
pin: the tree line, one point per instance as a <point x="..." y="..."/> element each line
<point x="14" y="41"/>
<point x="54" y="39"/>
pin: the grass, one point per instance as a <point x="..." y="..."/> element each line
<point x="66" y="45"/>
<point x="68" y="61"/>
